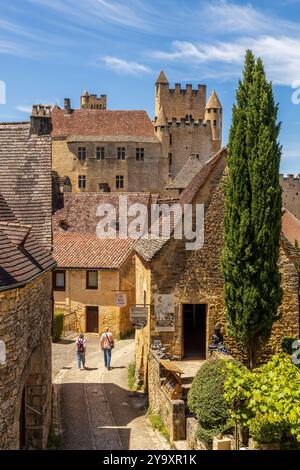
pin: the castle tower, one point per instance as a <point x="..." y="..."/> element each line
<point x="179" y="102"/>
<point x="88" y="101"/>
<point x="161" y="91"/>
<point x="213" y="114"/>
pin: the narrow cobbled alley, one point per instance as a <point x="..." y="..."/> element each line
<point x="94" y="407"/>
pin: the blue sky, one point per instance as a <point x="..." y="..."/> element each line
<point x="51" y="49"/>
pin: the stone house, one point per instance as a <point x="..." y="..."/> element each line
<point x="291" y="193"/>
<point x="91" y="274"/>
<point x="25" y="286"/>
<point x="193" y="284"/>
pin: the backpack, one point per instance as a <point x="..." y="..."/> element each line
<point x="80" y="346"/>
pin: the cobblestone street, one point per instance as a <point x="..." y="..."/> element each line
<point x="95" y="408"/>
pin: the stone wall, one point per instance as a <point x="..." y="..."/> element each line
<point x="25" y="328"/>
<point x="181" y="139"/>
<point x="172" y="412"/>
<point x="143" y="284"/>
<point x="150" y="174"/>
<point x="291" y="193"/>
<point x="177" y="102"/>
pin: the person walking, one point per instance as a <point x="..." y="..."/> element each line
<point x="107" y="344"/>
<point x="81" y="349"/>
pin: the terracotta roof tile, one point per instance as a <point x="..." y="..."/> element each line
<point x="87" y="251"/>
<point x="79" y="211"/>
<point x="100" y="122"/>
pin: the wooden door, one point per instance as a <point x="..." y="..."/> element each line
<point x="92" y="319"/>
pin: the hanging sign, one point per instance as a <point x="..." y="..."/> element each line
<point x="121" y="299"/>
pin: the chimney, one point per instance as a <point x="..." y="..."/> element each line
<point x="67" y="105"/>
<point x="41" y="119"/>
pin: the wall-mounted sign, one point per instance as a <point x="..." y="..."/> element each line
<point x="121" y="299"/>
<point x="164" y="311"/>
<point x="138" y="316"/>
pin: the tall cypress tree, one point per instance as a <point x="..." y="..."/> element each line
<point x="252" y="222"/>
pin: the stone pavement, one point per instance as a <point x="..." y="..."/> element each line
<point x="96" y="409"/>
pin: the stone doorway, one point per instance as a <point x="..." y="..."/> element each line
<point x="194" y="331"/>
<point x="92" y="320"/>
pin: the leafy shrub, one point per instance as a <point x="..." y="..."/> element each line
<point x="58" y="324"/>
<point x="266" y="400"/>
<point x="206" y="400"/>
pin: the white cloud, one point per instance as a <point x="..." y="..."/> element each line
<point x="281" y="56"/>
<point x="232" y="17"/>
<point x="125" y="67"/>
<point x="7" y="47"/>
<point x="24" y="109"/>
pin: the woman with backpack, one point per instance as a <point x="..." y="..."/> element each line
<point x="81" y="348"/>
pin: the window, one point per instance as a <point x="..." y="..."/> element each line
<point x="81" y="181"/>
<point x="208" y="110"/>
<point x="171" y="139"/>
<point x="120" y="182"/>
<point x="121" y="153"/>
<point x="92" y="279"/>
<point x="215" y="123"/>
<point x="140" y="154"/>
<point x="170" y="159"/>
<point x="81" y="153"/>
<point x="100" y="153"/>
<point x="59" y="280"/>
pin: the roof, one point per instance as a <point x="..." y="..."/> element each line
<point x="87" y="251"/>
<point x="188" y="194"/>
<point x="25" y="178"/>
<point x="291" y="227"/>
<point x="147" y="249"/>
<point x="79" y="211"/>
<point x="102" y="122"/>
<point x="170" y="365"/>
<point x="21" y="257"/>
<point x="213" y="101"/>
<point x="191" y="167"/>
<point x="162" y="78"/>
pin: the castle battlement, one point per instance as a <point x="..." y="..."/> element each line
<point x="289" y="177"/>
<point x="41" y="110"/>
<point x="182" y="123"/>
<point x="187" y="90"/>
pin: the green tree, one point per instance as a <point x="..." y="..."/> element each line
<point x="252" y="222"/>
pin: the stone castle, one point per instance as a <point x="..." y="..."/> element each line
<point x="97" y="149"/>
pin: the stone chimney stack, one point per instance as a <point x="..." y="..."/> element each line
<point x="67" y="105"/>
<point x="41" y="119"/>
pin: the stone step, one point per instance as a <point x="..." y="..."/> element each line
<point x="180" y="445"/>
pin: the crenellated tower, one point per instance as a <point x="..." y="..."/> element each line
<point x="185" y="123"/>
<point x="88" y="101"/>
